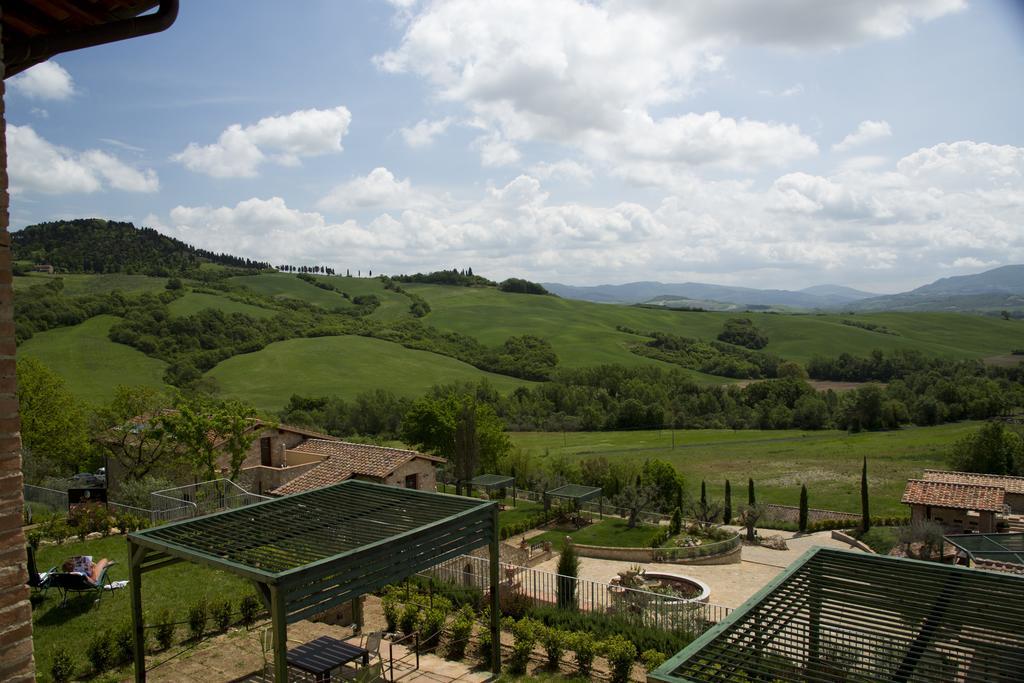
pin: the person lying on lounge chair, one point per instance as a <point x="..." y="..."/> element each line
<point x="83" y="564"/>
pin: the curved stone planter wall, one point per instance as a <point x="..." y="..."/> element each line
<point x="705" y="591"/>
<point x="723" y="552"/>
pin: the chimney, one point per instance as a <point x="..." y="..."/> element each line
<point x="284" y="455"/>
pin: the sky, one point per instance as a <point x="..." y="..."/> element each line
<point x="777" y="144"/>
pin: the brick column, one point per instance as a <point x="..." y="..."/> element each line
<point x="16" y="660"/>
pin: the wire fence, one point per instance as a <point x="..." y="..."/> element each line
<point x="202" y="498"/>
<point x="668" y="611"/>
<point x="52" y="498"/>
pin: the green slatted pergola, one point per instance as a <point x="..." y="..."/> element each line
<point x="838" y="615"/>
<point x="315" y="550"/>
<point x="997" y="547"/>
<point x="495" y="481"/>
<point x="578" y="494"/>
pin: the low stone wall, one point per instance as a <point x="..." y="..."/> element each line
<point x="791" y="513"/>
<point x="731" y="551"/>
<point x="846" y="538"/>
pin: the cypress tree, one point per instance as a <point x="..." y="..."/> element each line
<point x="727" y="513"/>
<point x="803" y="508"/>
<point x="703" y="495"/>
<point x="568" y="570"/>
<point x="750" y="493"/>
<point x="865" y="514"/>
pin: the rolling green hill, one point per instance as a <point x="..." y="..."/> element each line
<point x="89" y="362"/>
<point x="341" y="366"/>
<point x="79" y="283"/>
<point x="584" y="333"/>
<point x="290" y="287"/>
<point x="193" y="302"/>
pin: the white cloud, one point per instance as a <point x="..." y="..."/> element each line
<point x="590" y="75"/>
<point x="793" y="90"/>
<point x="423" y="133"/>
<point x="965" y="164"/>
<point x="239" y="152"/>
<point x="800" y="24"/>
<point x="45" y="81"/>
<point x="377" y="190"/>
<point x="867" y="131"/>
<point x="566" y="169"/>
<point x="36" y="165"/>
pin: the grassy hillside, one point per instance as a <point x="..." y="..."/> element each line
<point x="392" y="305"/>
<point x="193" y="302"/>
<point x="585" y="333"/>
<point x="779" y="461"/>
<point x="289" y="286"/>
<point x="340" y="366"/>
<point x="77" y="283"/>
<point x="89" y="362"/>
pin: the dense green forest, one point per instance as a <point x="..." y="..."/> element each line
<point x="93" y="245"/>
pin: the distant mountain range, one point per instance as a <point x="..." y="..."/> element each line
<point x="997" y="289"/>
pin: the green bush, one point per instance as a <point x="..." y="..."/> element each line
<point x="220" y="611"/>
<point x="652" y="659"/>
<point x="407" y="620"/>
<point x="248" y="609"/>
<point x="459" y="632"/>
<point x="485" y="645"/>
<point x="601" y="626"/>
<point x="197" y="619"/>
<point x="524" y="632"/>
<point x="430" y="624"/>
<point x="100" y="651"/>
<point x="585" y="647"/>
<point x="124" y="643"/>
<point x="620" y="654"/>
<point x="392" y="609"/>
<point x="165" y="629"/>
<point x="62" y="668"/>
<point x="554" y="641"/>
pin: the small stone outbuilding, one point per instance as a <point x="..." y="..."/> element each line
<point x="1013" y="486"/>
<point x="958" y="507"/>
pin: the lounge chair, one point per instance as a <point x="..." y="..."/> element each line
<point x="38" y="582"/>
<point x="73" y="582"/>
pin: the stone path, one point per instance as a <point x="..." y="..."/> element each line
<point x="731" y="584"/>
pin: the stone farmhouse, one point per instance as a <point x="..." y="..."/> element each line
<point x="957" y="507"/>
<point x="330" y="461"/>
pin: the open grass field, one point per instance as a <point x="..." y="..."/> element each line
<point x="91" y="364"/>
<point x="393" y="306"/>
<point x="585" y="333"/>
<point x="289" y="286"/>
<point x="341" y="366"/>
<point x="175" y="588"/>
<point x="76" y="284"/>
<point x="829" y="462"/>
<point x="193" y="302"/>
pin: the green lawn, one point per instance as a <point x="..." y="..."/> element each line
<point x="341" y="366"/>
<point x="176" y="587"/>
<point x="829" y="462"/>
<point x="288" y="286"/>
<point x="523" y="511"/>
<point x="193" y="302"/>
<point x="611" y="532"/>
<point x="89" y="362"/>
<point x="393" y="306"/>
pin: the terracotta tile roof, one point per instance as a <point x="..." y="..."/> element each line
<point x="946" y="494"/>
<point x="1009" y="484"/>
<point x="344" y="460"/>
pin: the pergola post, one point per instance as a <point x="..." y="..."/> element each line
<point x="136" y="555"/>
<point x="495" y="601"/>
<point x="279" y="624"/>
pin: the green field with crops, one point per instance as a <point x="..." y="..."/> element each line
<point x="91" y="364"/>
<point x="828" y="462"/>
<point x="341" y="366"/>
